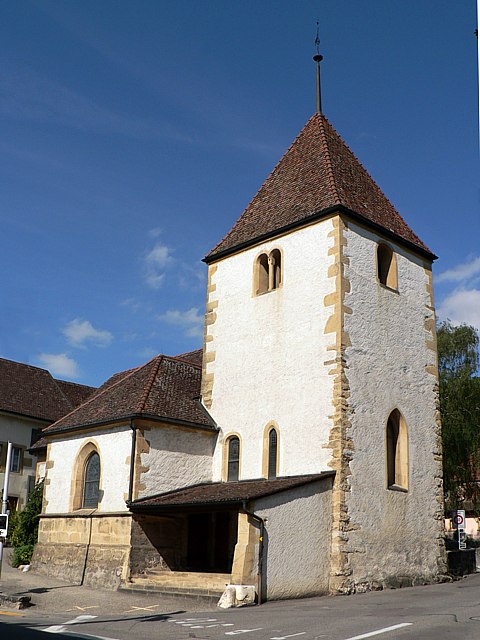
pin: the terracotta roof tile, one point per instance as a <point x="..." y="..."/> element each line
<point x="224" y="492"/>
<point x="317" y="173"/>
<point x="164" y="388"/>
<point x="195" y="357"/>
<point x="31" y="391"/>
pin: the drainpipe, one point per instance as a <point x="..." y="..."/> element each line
<point x="260" y="547"/>
<point x="132" y="459"/>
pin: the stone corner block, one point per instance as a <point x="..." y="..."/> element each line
<point x="237" y="595"/>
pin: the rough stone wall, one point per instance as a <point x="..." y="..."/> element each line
<point x="157" y="542"/>
<point x="93" y="550"/>
<point x="173" y="458"/>
<point x="392" y="537"/>
<point x="114" y="446"/>
<point x="296" y="557"/>
<point x="264" y="354"/>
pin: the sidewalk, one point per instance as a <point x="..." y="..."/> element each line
<point x="49" y="595"/>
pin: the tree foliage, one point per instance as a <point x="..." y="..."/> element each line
<point x="24" y="532"/>
<point x="459" y="386"/>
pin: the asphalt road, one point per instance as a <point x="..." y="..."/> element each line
<point x="437" y="612"/>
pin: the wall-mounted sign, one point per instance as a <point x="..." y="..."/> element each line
<point x="3" y="525"/>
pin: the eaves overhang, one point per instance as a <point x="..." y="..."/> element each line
<point x="319" y="215"/>
<point x="125" y="420"/>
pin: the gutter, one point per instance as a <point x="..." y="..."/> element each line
<point x="260" y="547"/>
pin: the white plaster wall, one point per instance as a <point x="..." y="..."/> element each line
<point x="177" y="458"/>
<point x="18" y="431"/>
<point x="296" y="558"/>
<point x="114" y="446"/>
<point x="270" y="352"/>
<point x="386" y="370"/>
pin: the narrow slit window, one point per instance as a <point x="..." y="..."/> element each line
<point x="262" y="273"/>
<point x="233" y="459"/>
<point x="272" y="453"/>
<point x="397" y="452"/>
<point x="387" y="266"/>
<point x="91" y="485"/>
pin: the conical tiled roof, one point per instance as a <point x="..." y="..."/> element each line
<point x="317" y="175"/>
<point x="165" y="388"/>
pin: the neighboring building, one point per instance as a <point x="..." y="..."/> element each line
<point x="312" y="462"/>
<point x="30" y="399"/>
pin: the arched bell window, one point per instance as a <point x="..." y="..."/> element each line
<point x="387" y="266"/>
<point x="268" y="272"/>
<point x="91" y="482"/>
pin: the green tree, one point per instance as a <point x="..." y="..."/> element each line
<point x="24" y="532"/>
<point x="459" y="387"/>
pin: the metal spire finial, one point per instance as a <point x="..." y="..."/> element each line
<point x="318" y="58"/>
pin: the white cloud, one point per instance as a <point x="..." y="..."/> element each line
<point x="462" y="306"/>
<point x="59" y="364"/>
<point x="461" y="272"/>
<point x="79" y="332"/>
<point x="191" y="321"/>
<point x="155" y="232"/>
<point x="156" y="261"/>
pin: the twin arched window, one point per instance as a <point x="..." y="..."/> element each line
<point x="397" y="451"/>
<point x="268" y="272"/>
<point x="387" y="266"/>
<point x="231" y="471"/>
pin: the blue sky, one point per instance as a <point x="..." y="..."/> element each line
<point x="133" y="135"/>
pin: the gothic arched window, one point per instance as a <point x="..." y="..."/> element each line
<point x="272" y="453"/>
<point x="233" y="462"/>
<point x="91" y="482"/>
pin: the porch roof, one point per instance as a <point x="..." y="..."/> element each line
<point x="222" y="493"/>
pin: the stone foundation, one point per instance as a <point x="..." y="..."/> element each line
<point x="84" y="549"/>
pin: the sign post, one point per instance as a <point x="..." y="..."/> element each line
<point x="459" y="524"/>
<point x="4" y="515"/>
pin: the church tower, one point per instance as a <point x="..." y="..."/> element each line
<point x="320" y="354"/>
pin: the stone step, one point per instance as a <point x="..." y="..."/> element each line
<point x="192" y="577"/>
<point x="143" y="585"/>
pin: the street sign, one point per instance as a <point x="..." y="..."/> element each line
<point x="459" y="524"/>
<point x="3" y="525"/>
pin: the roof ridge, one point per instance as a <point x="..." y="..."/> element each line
<point x="94" y="396"/>
<point x="29" y="366"/>
<point x="272" y="172"/>
<point x="177" y="359"/>
<point x="328" y="160"/>
<point x="372" y="179"/>
<point x="150" y="382"/>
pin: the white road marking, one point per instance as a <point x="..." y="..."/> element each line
<point x="238" y="631"/>
<point x="81" y="608"/>
<point x="61" y="628"/>
<point x="379" y="631"/>
<point x="293" y="635"/>
<point x="152" y="606"/>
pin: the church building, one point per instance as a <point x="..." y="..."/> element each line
<point x="299" y="450"/>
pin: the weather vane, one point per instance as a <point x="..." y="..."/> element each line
<point x="318" y="58"/>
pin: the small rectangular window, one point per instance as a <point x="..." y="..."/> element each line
<point x="16" y="460"/>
